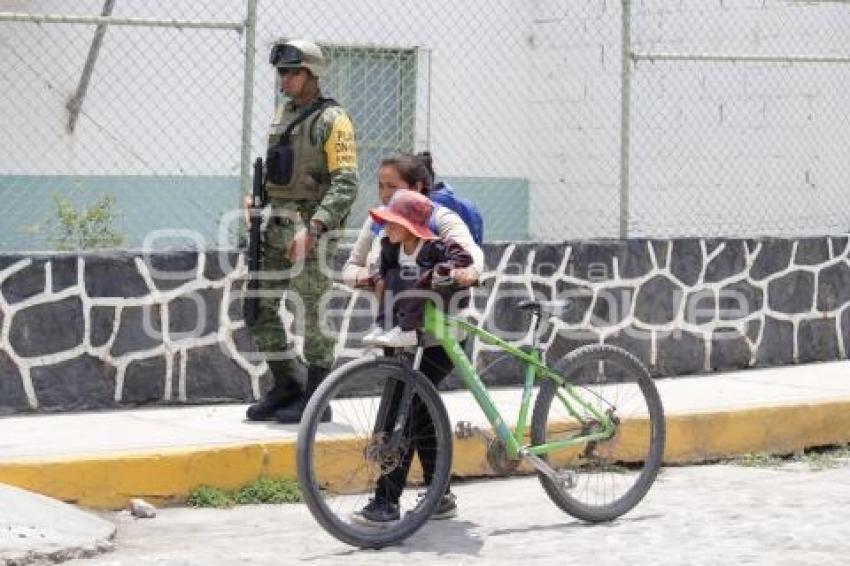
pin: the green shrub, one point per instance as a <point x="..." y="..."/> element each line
<point x="267" y="490"/>
<point x="87" y="228"/>
<point x="261" y="490"/>
<point x="206" y="496"/>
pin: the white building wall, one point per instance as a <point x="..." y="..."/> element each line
<point x="716" y="148"/>
<point x="575" y="60"/>
<point x="515" y="89"/>
<point x="161" y="101"/>
<point x="169" y="102"/>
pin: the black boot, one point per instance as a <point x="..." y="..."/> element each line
<point x="292" y="414"/>
<point x="315" y="377"/>
<point x="283" y="393"/>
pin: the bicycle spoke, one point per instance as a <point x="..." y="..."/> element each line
<point x="356" y="458"/>
<point x="608" y="476"/>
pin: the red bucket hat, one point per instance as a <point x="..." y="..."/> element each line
<point x="409" y="209"/>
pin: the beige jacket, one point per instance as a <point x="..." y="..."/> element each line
<point x="363" y="259"/>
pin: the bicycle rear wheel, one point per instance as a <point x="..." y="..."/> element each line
<point x="604" y="479"/>
<point x="383" y="414"/>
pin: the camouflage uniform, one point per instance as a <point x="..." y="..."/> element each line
<point x="322" y="187"/>
<point x="310" y="283"/>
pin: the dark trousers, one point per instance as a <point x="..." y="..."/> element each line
<point x="435" y="365"/>
<point x="406" y="311"/>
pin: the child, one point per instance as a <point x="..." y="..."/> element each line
<point x="413" y="258"/>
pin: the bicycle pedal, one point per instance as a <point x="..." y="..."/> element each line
<point x="464" y="429"/>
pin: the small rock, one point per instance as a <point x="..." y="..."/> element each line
<point x="142" y="509"/>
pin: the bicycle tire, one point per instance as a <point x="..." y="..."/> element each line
<point x="623" y="454"/>
<point x="318" y="490"/>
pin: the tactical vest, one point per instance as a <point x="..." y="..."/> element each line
<point x="310" y="178"/>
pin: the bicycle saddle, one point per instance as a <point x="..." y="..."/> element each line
<point x="551" y="307"/>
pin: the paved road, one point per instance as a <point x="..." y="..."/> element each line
<point x="717" y="514"/>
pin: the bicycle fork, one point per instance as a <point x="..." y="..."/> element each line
<point x="394" y="411"/>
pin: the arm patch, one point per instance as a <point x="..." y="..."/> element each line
<point x="340" y="147"/>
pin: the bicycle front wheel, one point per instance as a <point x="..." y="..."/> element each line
<point x="374" y="474"/>
<point x="600" y="480"/>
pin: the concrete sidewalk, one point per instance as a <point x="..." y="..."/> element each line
<point x="104" y="459"/>
<point x="37" y="529"/>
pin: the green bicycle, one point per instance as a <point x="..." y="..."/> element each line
<point x="596" y="432"/>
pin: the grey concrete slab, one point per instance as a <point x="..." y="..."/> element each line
<point x="716" y="515"/>
<point x="34" y="528"/>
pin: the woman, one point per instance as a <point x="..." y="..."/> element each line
<point x="414" y="173"/>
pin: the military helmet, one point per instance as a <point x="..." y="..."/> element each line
<point x="297" y="54"/>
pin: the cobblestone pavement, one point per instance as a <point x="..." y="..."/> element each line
<point x="714" y="514"/>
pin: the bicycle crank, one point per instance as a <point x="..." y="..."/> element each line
<point x="566" y="479"/>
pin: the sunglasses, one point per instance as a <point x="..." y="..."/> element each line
<point x="285" y="55"/>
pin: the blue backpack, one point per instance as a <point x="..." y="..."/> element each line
<point x="443" y="195"/>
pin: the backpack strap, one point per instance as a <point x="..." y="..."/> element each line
<point x="432" y="222"/>
<point x="319" y="104"/>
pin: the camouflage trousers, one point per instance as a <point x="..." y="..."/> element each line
<point x="302" y="287"/>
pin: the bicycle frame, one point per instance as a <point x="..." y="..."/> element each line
<point x="440" y="326"/>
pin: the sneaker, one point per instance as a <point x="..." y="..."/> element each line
<point x="377" y="513"/>
<point x="397" y="338"/>
<point x="446" y="508"/>
<point x="371" y="335"/>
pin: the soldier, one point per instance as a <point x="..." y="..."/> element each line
<point x="311" y="182"/>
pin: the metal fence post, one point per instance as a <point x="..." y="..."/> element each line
<point x="75" y="104"/>
<point x="248" y="97"/>
<point x="625" y="108"/>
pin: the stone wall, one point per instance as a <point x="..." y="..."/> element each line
<point x="107" y="330"/>
<point x="683" y="306"/>
<point x="96" y="331"/>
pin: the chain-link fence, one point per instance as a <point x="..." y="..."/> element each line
<point x="732" y="122"/>
<point x="149" y="117"/>
<point x="739" y="118"/>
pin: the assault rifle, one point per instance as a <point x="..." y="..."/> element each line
<point x="258" y="201"/>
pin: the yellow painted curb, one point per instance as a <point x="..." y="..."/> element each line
<point x="701" y="437"/>
<point x="167" y="476"/>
